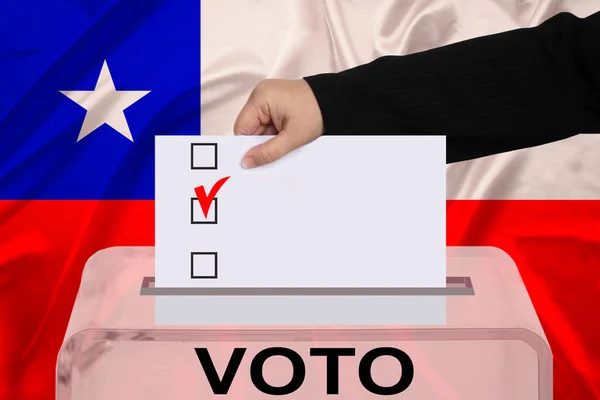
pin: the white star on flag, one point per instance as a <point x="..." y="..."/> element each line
<point x="105" y="105"/>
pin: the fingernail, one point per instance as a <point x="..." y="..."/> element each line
<point x="248" y="162"/>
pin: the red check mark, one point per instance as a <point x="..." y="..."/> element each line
<point x="207" y="199"/>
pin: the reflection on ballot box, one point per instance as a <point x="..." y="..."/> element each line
<point x="491" y="346"/>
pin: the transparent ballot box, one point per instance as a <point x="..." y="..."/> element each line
<point x="491" y="347"/>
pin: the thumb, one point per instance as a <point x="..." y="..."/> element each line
<point x="247" y="121"/>
<point x="271" y="150"/>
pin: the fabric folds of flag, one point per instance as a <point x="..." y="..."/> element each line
<point x="540" y="205"/>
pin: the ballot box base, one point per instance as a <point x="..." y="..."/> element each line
<point x="491" y="345"/>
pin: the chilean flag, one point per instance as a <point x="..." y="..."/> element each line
<point x="85" y="85"/>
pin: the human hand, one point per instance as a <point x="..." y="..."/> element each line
<point x="285" y="108"/>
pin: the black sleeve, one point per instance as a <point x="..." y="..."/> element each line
<point x="489" y="95"/>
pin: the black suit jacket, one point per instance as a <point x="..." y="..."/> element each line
<point x="489" y="95"/>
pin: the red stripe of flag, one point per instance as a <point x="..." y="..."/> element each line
<point x="45" y="244"/>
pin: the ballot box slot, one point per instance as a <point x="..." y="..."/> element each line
<point x="455" y="286"/>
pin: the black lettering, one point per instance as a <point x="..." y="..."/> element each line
<point x="220" y="386"/>
<point x="364" y="371"/>
<point x="333" y="365"/>
<point x="298" y="371"/>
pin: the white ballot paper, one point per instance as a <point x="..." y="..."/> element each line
<point x="340" y="212"/>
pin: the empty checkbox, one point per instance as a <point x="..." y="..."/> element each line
<point x="197" y="215"/>
<point x="204" y="156"/>
<point x="204" y="265"/>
